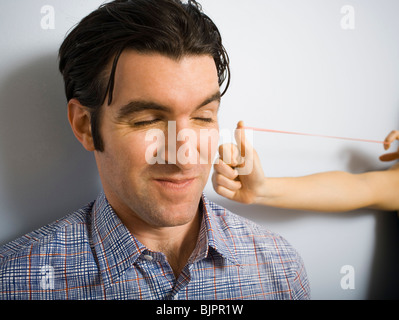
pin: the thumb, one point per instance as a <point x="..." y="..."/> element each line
<point x="246" y="150"/>
<point x="390" y="156"/>
<point x="244" y="146"/>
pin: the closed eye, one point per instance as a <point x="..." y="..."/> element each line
<point x="153" y="121"/>
<point x="145" y="123"/>
<point x="208" y="120"/>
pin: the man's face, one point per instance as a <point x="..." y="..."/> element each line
<point x="150" y="91"/>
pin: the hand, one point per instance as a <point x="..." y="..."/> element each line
<point x="238" y="173"/>
<point x="394" y="135"/>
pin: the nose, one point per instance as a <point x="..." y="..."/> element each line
<point x="181" y="145"/>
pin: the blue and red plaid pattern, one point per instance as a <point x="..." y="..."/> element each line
<point x="92" y="255"/>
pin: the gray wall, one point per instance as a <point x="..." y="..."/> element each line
<point x="295" y="66"/>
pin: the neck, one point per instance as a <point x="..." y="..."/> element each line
<point x="176" y="243"/>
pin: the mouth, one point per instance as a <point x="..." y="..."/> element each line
<point x="174" y="184"/>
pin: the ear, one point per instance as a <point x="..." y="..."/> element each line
<point x="79" y="119"/>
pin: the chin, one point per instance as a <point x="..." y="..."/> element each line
<point x="174" y="215"/>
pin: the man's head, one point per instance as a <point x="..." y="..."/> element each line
<point x="90" y="53"/>
<point x="132" y="66"/>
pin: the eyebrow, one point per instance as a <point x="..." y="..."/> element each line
<point x="142" y="105"/>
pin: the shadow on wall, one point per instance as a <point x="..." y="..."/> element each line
<point x="359" y="161"/>
<point x="384" y="282"/>
<point x="45" y="173"/>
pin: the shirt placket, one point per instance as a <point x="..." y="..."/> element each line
<point x="181" y="283"/>
<point x="157" y="276"/>
<point x="160" y="279"/>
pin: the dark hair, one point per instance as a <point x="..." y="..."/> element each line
<point x="169" y="27"/>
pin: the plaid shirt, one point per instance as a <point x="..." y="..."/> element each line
<point x="90" y="254"/>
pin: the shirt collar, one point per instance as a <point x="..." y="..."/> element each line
<point x="117" y="249"/>
<point x="219" y="236"/>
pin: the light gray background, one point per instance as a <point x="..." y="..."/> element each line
<point x="294" y="68"/>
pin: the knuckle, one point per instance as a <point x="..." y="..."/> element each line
<point x="218" y="190"/>
<point x="217" y="167"/>
<point x="219" y="179"/>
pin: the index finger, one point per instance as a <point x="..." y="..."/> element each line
<point x="394" y="135"/>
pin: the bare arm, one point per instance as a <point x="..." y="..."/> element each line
<point x="327" y="191"/>
<point x="333" y="191"/>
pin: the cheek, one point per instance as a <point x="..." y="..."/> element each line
<point x="135" y="151"/>
<point x="127" y="153"/>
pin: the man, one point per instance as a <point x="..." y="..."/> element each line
<point x="131" y="68"/>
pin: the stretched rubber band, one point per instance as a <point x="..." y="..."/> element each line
<point x="313" y="135"/>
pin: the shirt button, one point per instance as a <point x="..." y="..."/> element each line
<point x="148" y="257"/>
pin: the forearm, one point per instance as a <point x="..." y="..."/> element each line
<point x="329" y="191"/>
<point x="385" y="188"/>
